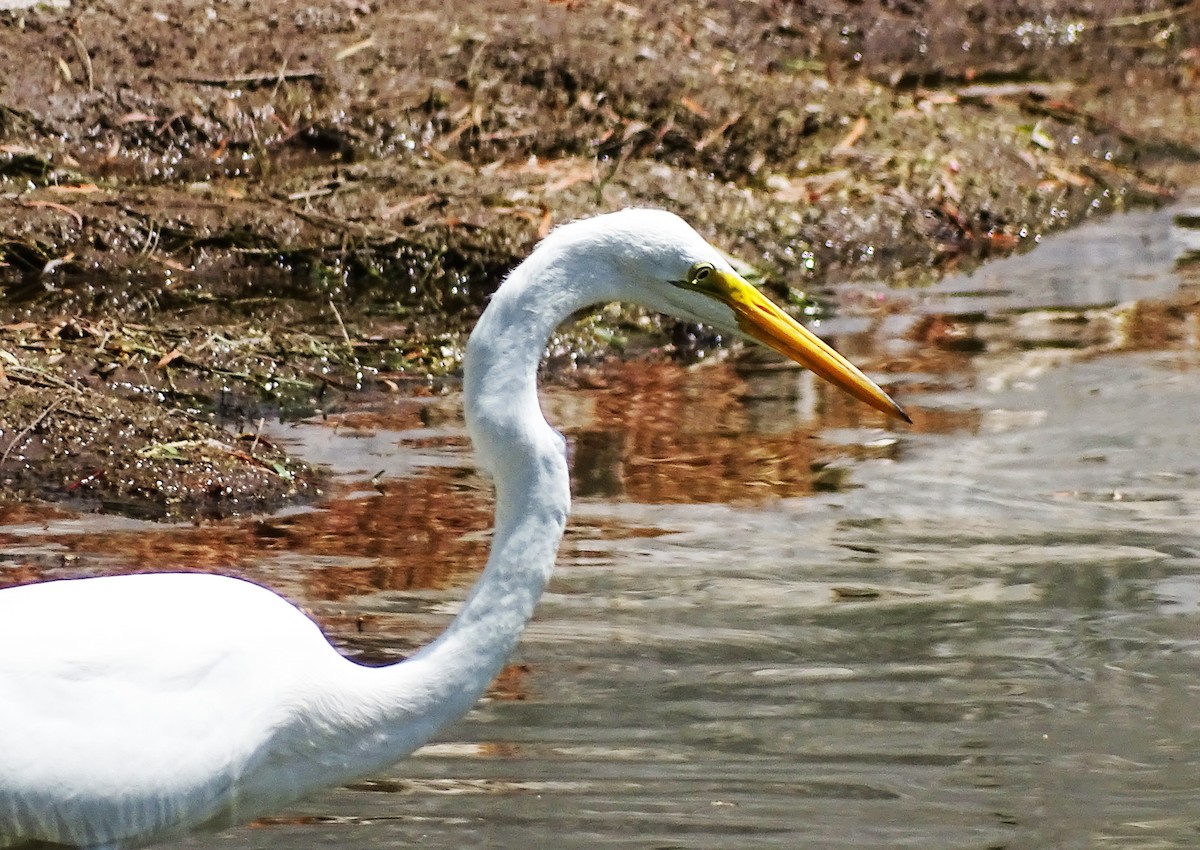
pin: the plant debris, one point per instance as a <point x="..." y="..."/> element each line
<point x="211" y="214"/>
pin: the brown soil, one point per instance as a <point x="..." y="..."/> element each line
<point x="210" y="213"/>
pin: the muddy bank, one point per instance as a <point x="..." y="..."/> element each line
<point x="103" y="453"/>
<point x="209" y="214"/>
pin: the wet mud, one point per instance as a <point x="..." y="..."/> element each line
<point x="212" y="216"/>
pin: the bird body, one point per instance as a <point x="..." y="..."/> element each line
<point x="170" y="708"/>
<point x="135" y="708"/>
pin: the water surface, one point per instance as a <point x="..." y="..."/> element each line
<point x="777" y="621"/>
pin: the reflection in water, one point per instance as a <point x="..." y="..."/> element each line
<point x="657" y="433"/>
<point x="1103" y="289"/>
<point x="419" y="533"/>
<point x="979" y="632"/>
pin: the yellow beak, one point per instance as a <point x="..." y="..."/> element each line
<point x="759" y="317"/>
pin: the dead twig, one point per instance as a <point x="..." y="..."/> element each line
<point x="984" y="92"/>
<point x="342" y="224"/>
<point x="407" y="204"/>
<point x="808" y="187"/>
<point x="257" y="433"/>
<point x="175" y="451"/>
<point x="1147" y="17"/>
<point x="26" y="431"/>
<point x="347" y="52"/>
<point x="1067" y="113"/>
<point x="717" y="132"/>
<point x="60" y="207"/>
<point x="337" y="315"/>
<point x="254" y="80"/>
<point x="848" y="141"/>
<point x="32" y="376"/>
<point x="85" y="59"/>
<point x="694" y="107"/>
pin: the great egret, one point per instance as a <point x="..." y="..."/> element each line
<point x="135" y="708"/>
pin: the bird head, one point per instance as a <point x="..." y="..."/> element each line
<point x="663" y="264"/>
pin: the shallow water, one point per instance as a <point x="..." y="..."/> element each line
<point x="778" y="622"/>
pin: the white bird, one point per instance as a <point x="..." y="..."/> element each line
<point x="136" y="708"/>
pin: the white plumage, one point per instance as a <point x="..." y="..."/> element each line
<point x="135" y="708"/>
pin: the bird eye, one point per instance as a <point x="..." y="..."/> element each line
<point x="700" y="272"/>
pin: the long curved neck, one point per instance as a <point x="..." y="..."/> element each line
<point x="401" y="707"/>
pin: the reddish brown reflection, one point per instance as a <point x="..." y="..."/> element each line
<point x="945" y="420"/>
<point x="948" y="334"/>
<point x="660" y="433"/>
<point x="512" y="683"/>
<point x="32" y="512"/>
<point x="645" y="432"/>
<point x="1164" y="325"/>
<point x="401" y="415"/>
<point x="423" y="532"/>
